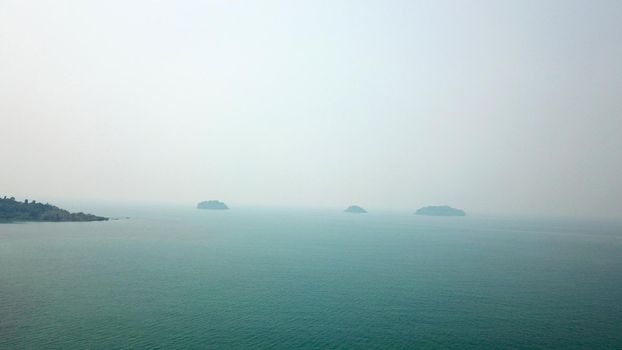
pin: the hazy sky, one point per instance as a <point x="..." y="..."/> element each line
<point x="490" y="106"/>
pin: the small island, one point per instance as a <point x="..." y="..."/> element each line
<point x="440" y="210"/>
<point x="218" y="205"/>
<point x="355" y="209"/>
<point x="12" y="210"/>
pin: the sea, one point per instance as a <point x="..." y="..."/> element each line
<point x="163" y="277"/>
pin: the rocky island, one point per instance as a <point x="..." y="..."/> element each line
<point x="355" y="209"/>
<point x="12" y="210"/>
<point x="212" y="205"/>
<point x="440" y="210"/>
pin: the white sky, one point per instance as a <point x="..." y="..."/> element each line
<point x="490" y="106"/>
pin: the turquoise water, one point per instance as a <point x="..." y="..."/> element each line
<point x="304" y="279"/>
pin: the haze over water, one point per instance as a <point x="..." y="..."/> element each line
<point x="508" y="110"/>
<point x="304" y="279"/>
<point x="506" y="107"/>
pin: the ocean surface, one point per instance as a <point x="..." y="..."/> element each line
<point x="253" y="278"/>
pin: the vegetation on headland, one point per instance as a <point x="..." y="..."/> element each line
<point x="12" y="210"/>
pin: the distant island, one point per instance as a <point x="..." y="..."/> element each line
<point x="12" y="210"/>
<point x="212" y="205"/>
<point x="355" y="209"/>
<point x="440" y="210"/>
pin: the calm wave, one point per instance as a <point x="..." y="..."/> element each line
<point x="294" y="279"/>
